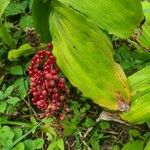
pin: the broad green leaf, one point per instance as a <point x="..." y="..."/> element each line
<point x="6" y="136"/>
<point x="40" y="13"/>
<point x="89" y="123"/>
<point x="38" y="143"/>
<point x="134" y="133"/>
<point x="49" y="136"/>
<point x="118" y="17"/>
<point x="22" y="51"/>
<point x="22" y="85"/>
<point x="3" y="5"/>
<point x="140" y="102"/>
<point x="72" y="127"/>
<point x="104" y="125"/>
<point x="33" y="121"/>
<point x="18" y="132"/>
<point x="1" y="95"/>
<point x="11" y="109"/>
<point x="3" y="119"/>
<point x="9" y="90"/>
<point x="3" y="106"/>
<point x="116" y="147"/>
<point x="19" y="146"/>
<point x="60" y="144"/>
<point x="53" y="146"/>
<point x="13" y="100"/>
<point x="147" y="147"/>
<point x="84" y="54"/>
<point x="51" y="130"/>
<point x="140" y="83"/>
<point x="144" y="38"/>
<point x="16" y="70"/>
<point x="5" y="35"/>
<point x="15" y="8"/>
<point x="137" y="145"/>
<point x="94" y="140"/>
<point x="26" y="22"/>
<point x="29" y="144"/>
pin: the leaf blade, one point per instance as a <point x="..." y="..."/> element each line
<point x="109" y="15"/>
<point x="90" y="74"/>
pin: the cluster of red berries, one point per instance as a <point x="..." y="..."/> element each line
<point x="48" y="89"/>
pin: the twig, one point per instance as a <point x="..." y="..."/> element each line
<point x="70" y="146"/>
<point x="107" y="117"/>
<point x="31" y="108"/>
<point x="81" y="138"/>
<point x="91" y="128"/>
<point x="111" y="117"/>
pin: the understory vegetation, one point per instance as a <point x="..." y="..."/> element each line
<point x="72" y="118"/>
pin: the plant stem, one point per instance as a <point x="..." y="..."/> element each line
<point x="22" y="137"/>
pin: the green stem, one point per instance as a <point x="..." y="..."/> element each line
<point x="22" y="137"/>
<point x="24" y="124"/>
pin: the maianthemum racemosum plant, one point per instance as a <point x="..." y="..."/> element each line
<point x="80" y="32"/>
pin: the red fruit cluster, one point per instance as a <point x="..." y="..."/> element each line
<point x="48" y="89"/>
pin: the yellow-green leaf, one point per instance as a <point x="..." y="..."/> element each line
<point x="23" y="50"/>
<point x="147" y="147"/>
<point x="118" y="17"/>
<point x="140" y="103"/>
<point x="3" y="5"/>
<point x="84" y="54"/>
<point x="144" y="38"/>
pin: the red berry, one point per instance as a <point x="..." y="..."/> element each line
<point x="33" y="79"/>
<point x="55" y="77"/>
<point x="53" y="72"/>
<point x="47" y="88"/>
<point x="44" y="92"/>
<point x="50" y="45"/>
<point x="52" y="58"/>
<point x="61" y="117"/>
<point x="61" y="85"/>
<point x="62" y="80"/>
<point x="55" y="90"/>
<point x="51" y="82"/>
<point x="48" y="76"/>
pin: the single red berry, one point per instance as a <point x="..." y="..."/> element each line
<point x="51" y="82"/>
<point x="44" y="93"/>
<point x="62" y="80"/>
<point x="48" y="76"/>
<point x="61" y="117"/>
<point x="50" y="45"/>
<point x="52" y="58"/>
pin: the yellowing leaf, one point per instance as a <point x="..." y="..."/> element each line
<point x="84" y="54"/>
